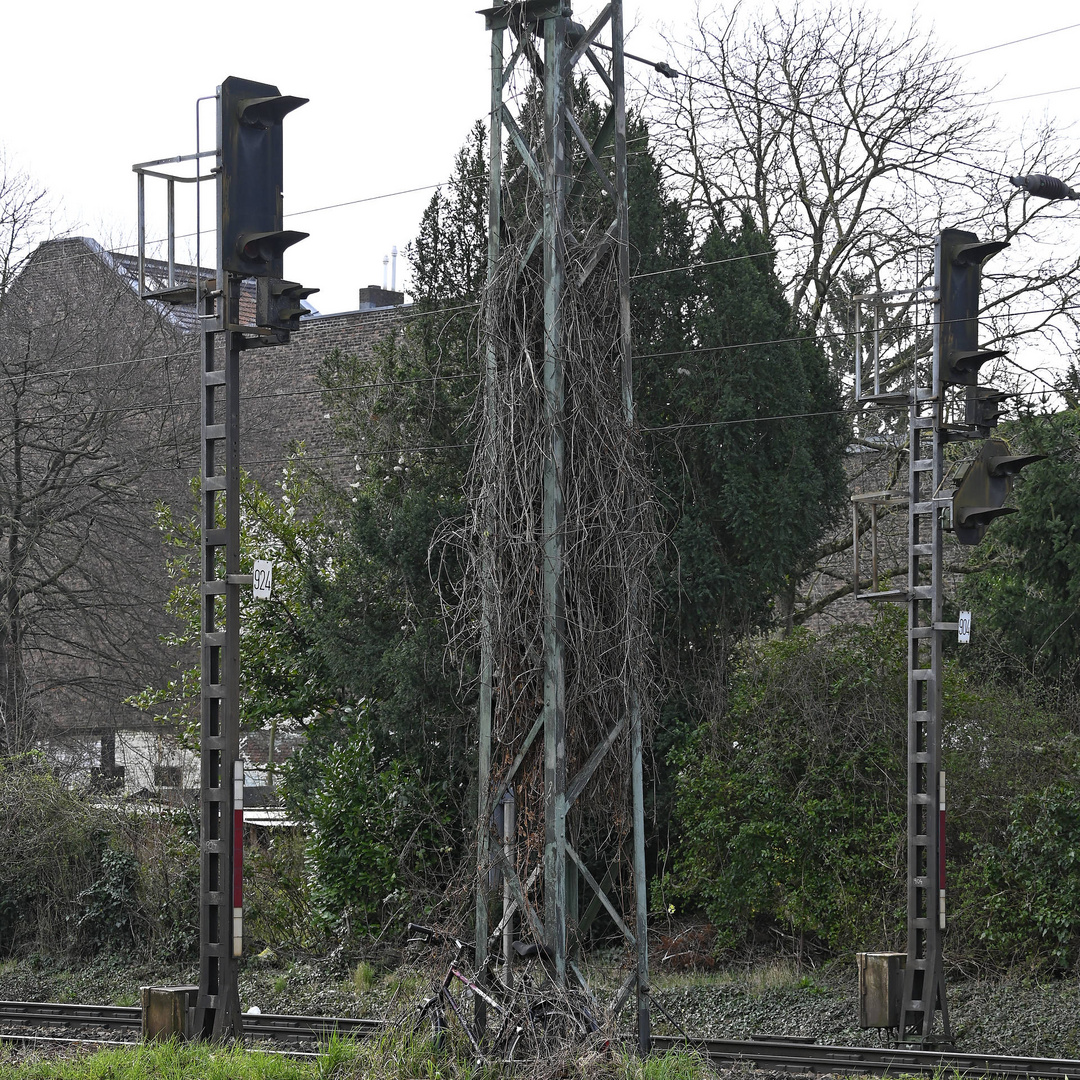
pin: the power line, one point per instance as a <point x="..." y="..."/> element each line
<point x="390" y="450"/>
<point x="422" y="312"/>
<point x="854" y="410"/>
<point x="760" y="100"/>
<point x="714" y="262"/>
<point x="830" y="335"/>
<point x="1025" y="97"/>
<point x="57" y="372"/>
<point x="1014" y="41"/>
<point x="365" y="199"/>
<point x="405" y="317"/>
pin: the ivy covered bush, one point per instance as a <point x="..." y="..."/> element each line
<point x="380" y="835"/>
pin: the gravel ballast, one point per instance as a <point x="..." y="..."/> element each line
<point x="1019" y="1014"/>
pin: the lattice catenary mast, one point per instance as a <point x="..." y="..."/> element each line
<point x="547" y="46"/>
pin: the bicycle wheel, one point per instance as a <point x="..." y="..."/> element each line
<point x="549" y="1028"/>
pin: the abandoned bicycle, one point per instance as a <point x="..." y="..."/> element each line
<point x="531" y="1019"/>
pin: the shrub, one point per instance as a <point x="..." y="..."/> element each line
<point x="792" y="803"/>
<point x="109" y="905"/>
<point x="377" y="832"/>
<point x="277" y="892"/>
<point x="50" y="844"/>
<point x="1024" y="892"/>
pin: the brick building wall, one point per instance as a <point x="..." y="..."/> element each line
<point x="281" y="399"/>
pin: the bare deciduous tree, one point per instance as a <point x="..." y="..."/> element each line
<point x="851" y="142"/>
<point x="85" y="440"/>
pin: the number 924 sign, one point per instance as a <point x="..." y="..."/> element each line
<point x="262" y="579"/>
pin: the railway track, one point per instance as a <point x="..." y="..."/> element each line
<point x="801" y="1056"/>
<point x="122" y="1017"/>
<point x="793" y="1055"/>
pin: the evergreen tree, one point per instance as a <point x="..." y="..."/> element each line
<point x="1024" y="584"/>
<point x="748" y="441"/>
<point x="375" y="618"/>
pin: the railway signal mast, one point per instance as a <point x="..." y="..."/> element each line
<point x="950" y="406"/>
<point x="251" y="241"/>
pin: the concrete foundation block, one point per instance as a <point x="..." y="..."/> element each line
<point x="168" y="1012"/>
<point x="881" y="988"/>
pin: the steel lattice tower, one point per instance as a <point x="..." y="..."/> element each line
<point x="529" y="26"/>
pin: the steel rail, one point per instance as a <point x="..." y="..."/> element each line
<point x="50" y="1012"/>
<point x="264" y="1025"/>
<point x="880" y="1061"/>
<point x="764" y="1051"/>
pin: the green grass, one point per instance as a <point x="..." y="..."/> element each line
<point x="193" y="1061"/>
<point x="392" y="1057"/>
<point x="363" y="977"/>
<point x="406" y="982"/>
<point x="778" y="974"/>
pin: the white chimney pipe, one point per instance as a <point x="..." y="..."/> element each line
<point x="385" y="260"/>
<point x="393" y="279"/>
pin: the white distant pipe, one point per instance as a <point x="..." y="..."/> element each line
<point x="385" y="261"/>
<point x="393" y="279"/>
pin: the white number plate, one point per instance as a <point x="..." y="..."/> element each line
<point x="262" y="579"/>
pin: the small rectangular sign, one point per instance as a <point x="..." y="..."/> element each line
<point x="262" y="579"/>
<point x="963" y="627"/>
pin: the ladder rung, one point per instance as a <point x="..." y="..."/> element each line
<point x="918" y="592"/>
<point x="922" y="465"/>
<point x="922" y="674"/>
<point x="920" y="631"/>
<point x="922" y="507"/>
<point x="214" y="431"/>
<point x="213" y="378"/>
<point x="923" y="549"/>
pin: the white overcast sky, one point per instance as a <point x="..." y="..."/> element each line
<point x="89" y="89"/>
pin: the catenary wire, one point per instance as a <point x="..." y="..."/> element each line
<point x="859" y="409"/>
<point x="1014" y="41"/>
<point x="760" y="100"/>
<point x="831" y="335"/>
